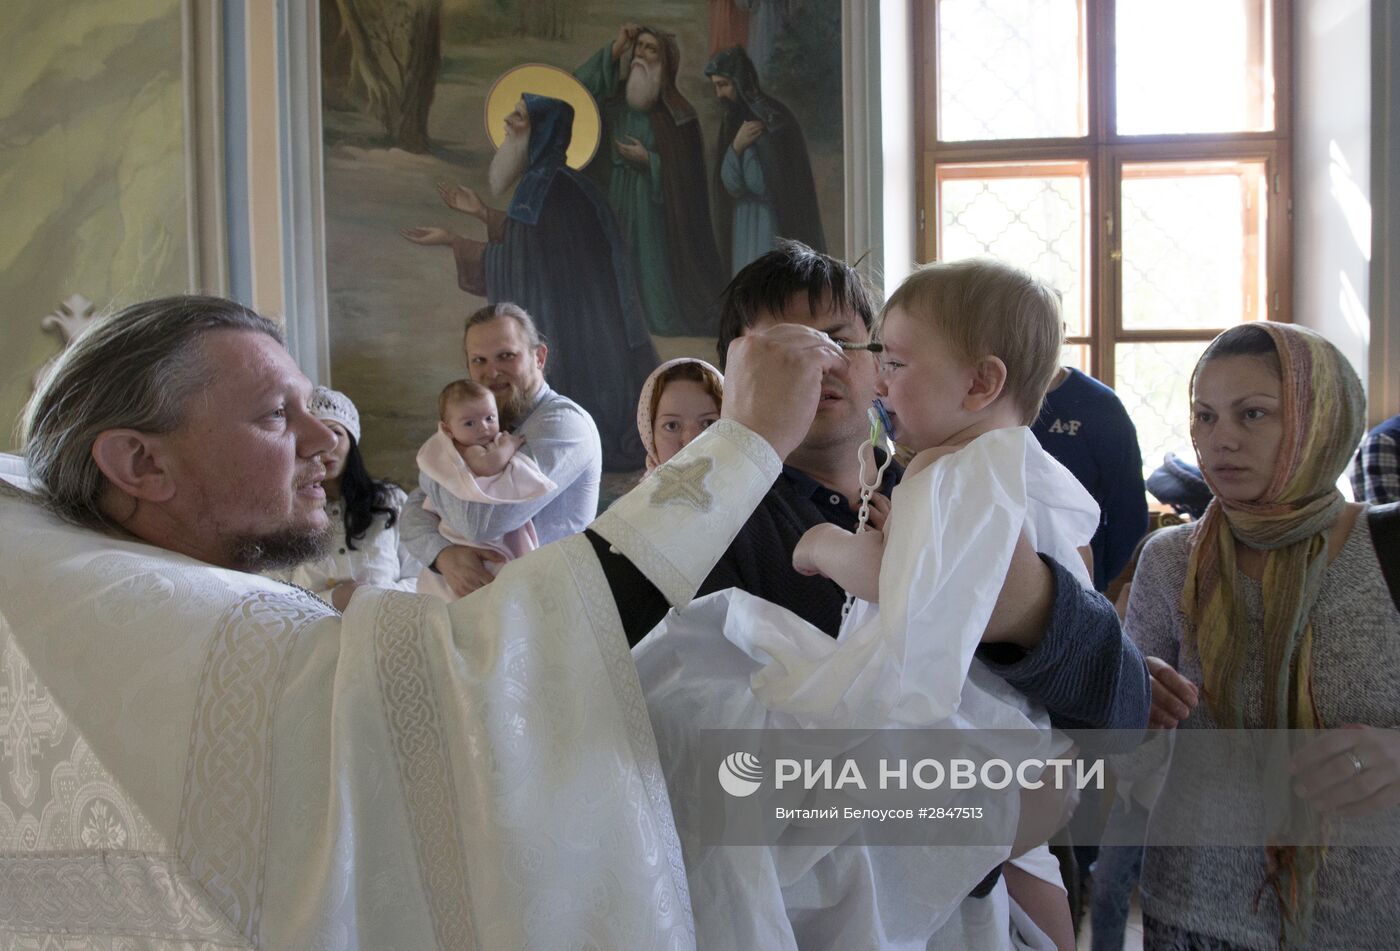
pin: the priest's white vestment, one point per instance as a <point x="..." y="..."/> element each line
<point x="200" y="758"/>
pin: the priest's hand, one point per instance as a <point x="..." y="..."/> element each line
<point x="464" y="569"/>
<point x="633" y="151"/>
<point x="463" y="199"/>
<point x="428" y="237"/>
<point x="773" y="381"/>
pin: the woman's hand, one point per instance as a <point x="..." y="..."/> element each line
<point x="1353" y="771"/>
<point x="1173" y="696"/>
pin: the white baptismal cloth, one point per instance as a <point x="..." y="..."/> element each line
<point x="948" y="546"/>
<point x="201" y="758"/>
<point x="734" y="661"/>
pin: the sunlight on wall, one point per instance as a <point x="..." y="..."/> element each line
<point x="1332" y="174"/>
<point x="1350" y="198"/>
<point x="1353" y="311"/>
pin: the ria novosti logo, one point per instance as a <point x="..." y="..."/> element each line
<point x="740" y="774"/>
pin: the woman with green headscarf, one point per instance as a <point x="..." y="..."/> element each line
<point x="1273" y="609"/>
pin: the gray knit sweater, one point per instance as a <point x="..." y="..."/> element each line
<point x="1356" y="679"/>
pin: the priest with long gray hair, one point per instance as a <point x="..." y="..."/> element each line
<point x="206" y="757"/>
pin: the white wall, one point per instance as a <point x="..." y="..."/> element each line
<point x="1332" y="173"/>
<point x="864" y="149"/>
<point x="880" y="149"/>
<point x="900" y="151"/>
<point x="1385" y="203"/>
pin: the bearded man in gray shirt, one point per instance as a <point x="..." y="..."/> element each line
<point x="504" y="352"/>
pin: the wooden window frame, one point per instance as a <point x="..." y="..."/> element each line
<point x="1040" y="169"/>
<point x="1105" y="152"/>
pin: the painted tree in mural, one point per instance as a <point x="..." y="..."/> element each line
<point x="547" y="19"/>
<point x="391" y="66"/>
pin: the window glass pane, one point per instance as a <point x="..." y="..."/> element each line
<point x="1075" y="355"/>
<point x="1153" y="380"/>
<point x="1010" y="69"/>
<point x="1029" y="215"/>
<point x="1193" y="245"/>
<point x="1194" y="66"/>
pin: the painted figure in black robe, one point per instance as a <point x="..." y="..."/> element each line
<point x="557" y="253"/>
<point x="763" y="182"/>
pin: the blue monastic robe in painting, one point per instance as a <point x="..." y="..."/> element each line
<point x="755" y="227"/>
<point x="768" y="192"/>
<point x="557" y="253"/>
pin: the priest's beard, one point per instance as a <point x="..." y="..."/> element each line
<point x="643" y="85"/>
<point x="508" y="164"/>
<point x="283" y="549"/>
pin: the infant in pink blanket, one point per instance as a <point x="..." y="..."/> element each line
<point x="472" y="460"/>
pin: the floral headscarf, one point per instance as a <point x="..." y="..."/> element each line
<point x="645" y="402"/>
<point x="1323" y="410"/>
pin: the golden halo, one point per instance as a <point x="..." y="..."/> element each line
<point x="551" y="81"/>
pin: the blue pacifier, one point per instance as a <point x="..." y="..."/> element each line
<point x="880" y="421"/>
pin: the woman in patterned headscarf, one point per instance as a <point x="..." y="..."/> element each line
<point x="1274" y="610"/>
<point x="679" y="401"/>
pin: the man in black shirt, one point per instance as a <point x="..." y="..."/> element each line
<point x="821" y="480"/>
<point x="1081" y="667"/>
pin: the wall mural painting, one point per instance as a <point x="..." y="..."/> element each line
<point x="607" y="165"/>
